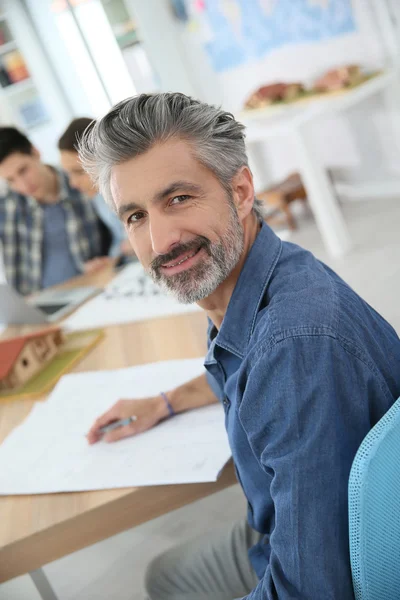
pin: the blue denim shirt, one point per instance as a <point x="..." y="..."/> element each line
<point x="304" y="368"/>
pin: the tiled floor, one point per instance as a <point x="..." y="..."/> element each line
<point x="114" y="569"/>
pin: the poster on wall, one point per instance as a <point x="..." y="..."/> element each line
<point x="33" y="112"/>
<point x="237" y="31"/>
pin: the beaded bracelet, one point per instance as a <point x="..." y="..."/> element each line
<point x="167" y="402"/>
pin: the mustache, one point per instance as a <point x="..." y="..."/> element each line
<point x="196" y="244"/>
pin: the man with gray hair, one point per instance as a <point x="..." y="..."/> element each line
<point x="302" y="365"/>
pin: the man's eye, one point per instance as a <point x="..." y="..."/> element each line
<point x="137" y="216"/>
<point x="179" y="199"/>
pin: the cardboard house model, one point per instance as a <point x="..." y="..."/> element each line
<point x="23" y="357"/>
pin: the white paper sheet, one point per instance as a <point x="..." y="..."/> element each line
<point x="131" y="296"/>
<point x="48" y="452"/>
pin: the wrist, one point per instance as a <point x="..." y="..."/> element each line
<point x="171" y="411"/>
<point x="161" y="408"/>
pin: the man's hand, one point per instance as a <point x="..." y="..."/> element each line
<point x="96" y="264"/>
<point x="148" y="412"/>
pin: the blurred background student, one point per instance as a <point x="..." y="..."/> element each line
<point x="79" y="179"/>
<point x="49" y="231"/>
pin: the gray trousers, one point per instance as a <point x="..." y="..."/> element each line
<point x="214" y="566"/>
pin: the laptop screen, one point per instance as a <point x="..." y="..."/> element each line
<point x="50" y="309"/>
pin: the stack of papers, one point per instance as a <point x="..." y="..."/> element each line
<point x="131" y="296"/>
<point x="49" y="452"/>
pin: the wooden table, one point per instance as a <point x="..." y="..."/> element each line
<point x="38" y="529"/>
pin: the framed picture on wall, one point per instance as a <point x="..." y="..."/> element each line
<point x="32" y="111"/>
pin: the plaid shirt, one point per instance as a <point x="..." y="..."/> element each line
<point x="21" y="233"/>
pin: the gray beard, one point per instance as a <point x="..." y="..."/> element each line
<point x="201" y="280"/>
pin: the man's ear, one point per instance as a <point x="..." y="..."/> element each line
<point x="243" y="192"/>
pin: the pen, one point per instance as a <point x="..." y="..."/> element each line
<point x="116" y="424"/>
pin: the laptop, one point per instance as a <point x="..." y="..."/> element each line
<point x="46" y="307"/>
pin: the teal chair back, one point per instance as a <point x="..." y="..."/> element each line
<point x="374" y="511"/>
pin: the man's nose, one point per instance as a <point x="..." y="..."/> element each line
<point x="164" y="234"/>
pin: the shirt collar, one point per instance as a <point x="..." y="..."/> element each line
<point x="63" y="187"/>
<point x="240" y="318"/>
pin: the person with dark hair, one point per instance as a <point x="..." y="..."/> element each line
<point x="302" y="365"/>
<point x="80" y="180"/>
<point x="48" y="230"/>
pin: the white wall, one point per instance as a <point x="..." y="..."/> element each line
<point x="297" y="62"/>
<point x="183" y="65"/>
<point x="161" y="38"/>
<point x="300" y="62"/>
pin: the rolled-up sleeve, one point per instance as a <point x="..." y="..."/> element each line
<point x="305" y="412"/>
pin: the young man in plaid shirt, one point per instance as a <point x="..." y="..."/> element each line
<point x="49" y="231"/>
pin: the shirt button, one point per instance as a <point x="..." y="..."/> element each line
<point x="225" y="401"/>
